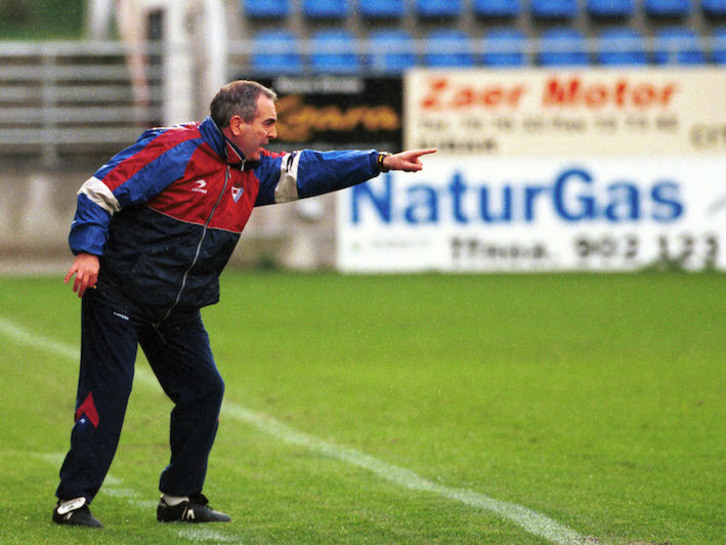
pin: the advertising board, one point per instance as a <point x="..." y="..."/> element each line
<point x="338" y="112"/>
<point x="532" y="214"/>
<point x="588" y="111"/>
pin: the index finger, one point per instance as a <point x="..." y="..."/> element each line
<point x="70" y="273"/>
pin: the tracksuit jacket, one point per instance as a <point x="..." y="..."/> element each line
<point x="166" y="213"/>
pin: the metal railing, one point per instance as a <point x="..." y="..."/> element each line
<point x="72" y="98"/>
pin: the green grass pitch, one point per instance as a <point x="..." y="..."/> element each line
<point x="404" y="409"/>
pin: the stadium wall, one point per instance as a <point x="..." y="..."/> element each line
<point x="37" y="207"/>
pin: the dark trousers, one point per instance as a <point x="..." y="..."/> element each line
<point x="180" y="356"/>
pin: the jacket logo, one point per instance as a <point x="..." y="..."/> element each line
<point x="199" y="187"/>
<point x="237" y="193"/>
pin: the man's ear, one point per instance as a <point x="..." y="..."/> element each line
<point x="236" y="124"/>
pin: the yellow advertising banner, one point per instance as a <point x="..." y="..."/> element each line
<point x="589" y="111"/>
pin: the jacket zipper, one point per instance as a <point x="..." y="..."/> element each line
<point x="199" y="245"/>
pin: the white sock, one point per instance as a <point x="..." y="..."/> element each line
<point x="174" y="500"/>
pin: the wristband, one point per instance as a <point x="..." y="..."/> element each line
<point x="381" y="156"/>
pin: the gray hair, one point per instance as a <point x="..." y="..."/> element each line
<point x="238" y="98"/>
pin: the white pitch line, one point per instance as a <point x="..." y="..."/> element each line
<point x="531" y="521"/>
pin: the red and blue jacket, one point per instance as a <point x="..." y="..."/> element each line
<point x="165" y="214"/>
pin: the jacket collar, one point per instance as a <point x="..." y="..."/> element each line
<point x="221" y="145"/>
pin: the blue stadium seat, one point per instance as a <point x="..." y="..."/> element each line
<point x="564" y="46"/>
<point x="334" y="51"/>
<point x="667" y="8"/>
<point x="623" y="9"/>
<point x="438" y="8"/>
<point x="554" y="9"/>
<point x="266" y="9"/>
<point x="622" y="46"/>
<point x="448" y="47"/>
<point x="391" y="51"/>
<point x="718" y="51"/>
<point x="382" y="9"/>
<point x="715" y="8"/>
<point x="276" y="52"/>
<point x="325" y="9"/>
<point x="678" y="45"/>
<point x="504" y="47"/>
<point x="497" y="9"/>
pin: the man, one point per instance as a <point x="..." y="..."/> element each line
<point x="153" y="229"/>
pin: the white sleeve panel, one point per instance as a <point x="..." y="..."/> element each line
<point x="99" y="193"/>
<point x="286" y="189"/>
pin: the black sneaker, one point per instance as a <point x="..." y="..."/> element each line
<point x="195" y="509"/>
<point x="75" y="512"/>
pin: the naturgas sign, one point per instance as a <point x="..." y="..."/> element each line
<point x="573" y="195"/>
<point x="544" y="112"/>
<point x="536" y="214"/>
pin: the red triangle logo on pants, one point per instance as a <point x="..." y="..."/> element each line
<point x="88" y="407"/>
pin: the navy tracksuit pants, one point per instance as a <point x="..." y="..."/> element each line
<point x="179" y="353"/>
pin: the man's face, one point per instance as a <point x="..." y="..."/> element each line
<point x="251" y="137"/>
